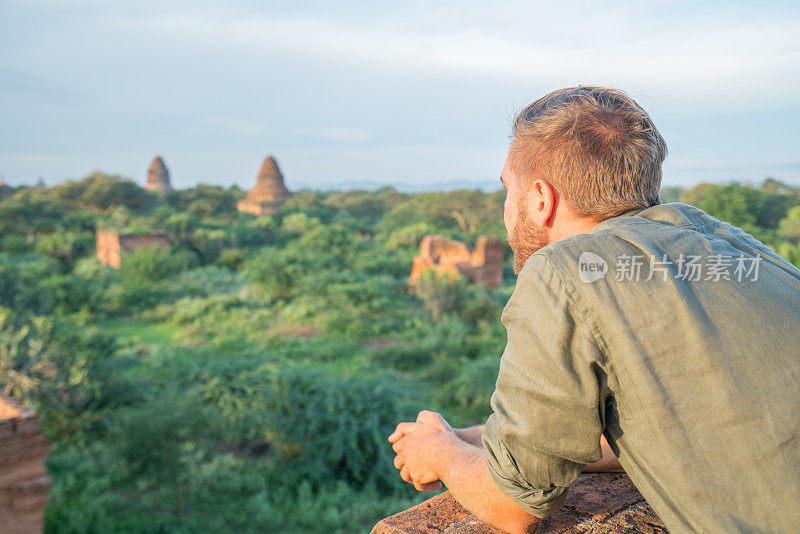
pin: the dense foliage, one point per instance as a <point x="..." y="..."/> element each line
<point x="245" y="378"/>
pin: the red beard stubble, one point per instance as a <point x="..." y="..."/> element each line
<point x="526" y="238"/>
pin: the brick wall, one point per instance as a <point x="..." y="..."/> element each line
<point x="24" y="482"/>
<point x="483" y="265"/>
<point x="111" y="244"/>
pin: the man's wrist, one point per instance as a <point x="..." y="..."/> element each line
<point x="450" y="451"/>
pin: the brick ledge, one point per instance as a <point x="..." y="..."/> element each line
<point x="597" y="503"/>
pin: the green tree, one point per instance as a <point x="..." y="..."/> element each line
<point x="454" y="213"/>
<point x="440" y="292"/>
<point x="778" y="198"/>
<point x="790" y="226"/>
<point x="29" y="213"/>
<point x="326" y="427"/>
<point x="63" y="370"/>
<point x="206" y="201"/>
<point x="66" y="247"/>
<point x="280" y="270"/>
<point x="181" y="228"/>
<point x="671" y="194"/>
<point x="736" y="204"/>
<point x="156" y="441"/>
<point x="102" y="192"/>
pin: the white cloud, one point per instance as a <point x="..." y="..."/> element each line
<point x="622" y="46"/>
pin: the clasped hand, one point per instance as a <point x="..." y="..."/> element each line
<point x="420" y="447"/>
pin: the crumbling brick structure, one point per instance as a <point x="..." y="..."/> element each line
<point x="111" y="244"/>
<point x="483" y="265"/>
<point x="24" y="482"/>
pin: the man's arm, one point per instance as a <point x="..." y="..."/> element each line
<point x="464" y="472"/>
<point x="430" y="450"/>
<point x="607" y="464"/>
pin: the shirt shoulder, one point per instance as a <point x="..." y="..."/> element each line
<point x="672" y="229"/>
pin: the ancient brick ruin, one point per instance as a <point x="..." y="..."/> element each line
<point x="24" y="482"/>
<point x="269" y="193"/>
<point x="601" y="503"/>
<point x="111" y="244"/>
<point x="483" y="265"/>
<point x="158" y="177"/>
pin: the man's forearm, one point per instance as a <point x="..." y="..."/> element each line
<point x="464" y="471"/>
<point x="607" y="464"/>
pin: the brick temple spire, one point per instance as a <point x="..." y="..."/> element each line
<point x="269" y="192"/>
<point x="158" y="177"/>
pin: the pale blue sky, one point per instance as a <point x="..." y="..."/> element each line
<point x="403" y="92"/>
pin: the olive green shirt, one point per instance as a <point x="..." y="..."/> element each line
<point x="675" y="335"/>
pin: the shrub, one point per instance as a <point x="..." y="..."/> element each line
<point x="152" y="264"/>
<point x="318" y="426"/>
<point x="326" y="427"/>
<point x="64" y="370"/>
<point x="440" y="292"/>
<point x="231" y="258"/>
<point x="408" y="236"/>
<point x="156" y="440"/>
<point x="278" y="271"/>
<point x="471" y="389"/>
<point x="790" y="226"/>
<point x="65" y="246"/>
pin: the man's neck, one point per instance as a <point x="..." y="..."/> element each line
<point x="569" y="226"/>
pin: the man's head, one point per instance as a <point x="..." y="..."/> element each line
<point x="578" y="156"/>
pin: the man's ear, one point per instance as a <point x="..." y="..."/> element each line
<point x="542" y="202"/>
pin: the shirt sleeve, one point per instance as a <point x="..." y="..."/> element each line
<point x="547" y="418"/>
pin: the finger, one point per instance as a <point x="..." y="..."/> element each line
<point x="426" y="478"/>
<point x="428" y="417"/>
<point x="425" y="415"/>
<point x="405" y="474"/>
<point x="397" y="447"/>
<point x="430" y="486"/>
<point x="433" y="419"/>
<point x="399" y="462"/>
<point x="401" y="430"/>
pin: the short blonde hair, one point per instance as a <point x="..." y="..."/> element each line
<point x="596" y="146"/>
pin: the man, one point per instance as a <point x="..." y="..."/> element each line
<point x="672" y="335"/>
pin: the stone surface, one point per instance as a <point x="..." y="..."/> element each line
<point x="269" y="192"/>
<point x="483" y="265"/>
<point x="111" y="244"/>
<point x="439" y="514"/>
<point x="24" y="482"/>
<point x="158" y="177"/>
<point x="597" y="502"/>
